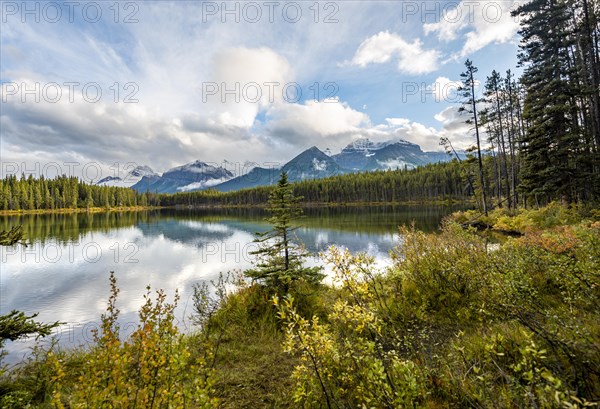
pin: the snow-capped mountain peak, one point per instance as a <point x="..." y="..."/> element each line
<point x="128" y="179"/>
<point x="366" y="145"/>
<point x="142" y="170"/>
<point x="197" y="167"/>
<point x="364" y="154"/>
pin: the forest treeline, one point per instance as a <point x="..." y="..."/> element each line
<point x="64" y="192"/>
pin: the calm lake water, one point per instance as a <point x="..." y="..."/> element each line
<point x="63" y="273"/>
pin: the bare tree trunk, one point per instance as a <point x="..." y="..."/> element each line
<point x="502" y="147"/>
<point x="511" y="141"/>
<point x="480" y="162"/>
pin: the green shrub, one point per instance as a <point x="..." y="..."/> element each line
<point x="441" y="276"/>
<point x="348" y="362"/>
<point x="503" y="366"/>
<point x="525" y="220"/>
<point x="152" y="369"/>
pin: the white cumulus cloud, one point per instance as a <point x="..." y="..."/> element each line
<point x="245" y="81"/>
<point x="314" y="121"/>
<point x="411" y="57"/>
<point x="478" y="23"/>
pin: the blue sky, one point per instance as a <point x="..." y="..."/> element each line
<point x="154" y="75"/>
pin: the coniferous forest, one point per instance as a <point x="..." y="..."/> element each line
<point x="29" y="193"/>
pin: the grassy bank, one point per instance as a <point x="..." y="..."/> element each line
<point x="227" y="206"/>
<point x="452" y="323"/>
<point x="527" y="220"/>
<point x="79" y="210"/>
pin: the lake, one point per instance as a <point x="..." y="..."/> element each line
<point x="63" y="272"/>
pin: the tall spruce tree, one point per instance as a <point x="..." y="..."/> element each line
<point x="280" y="258"/>
<point x="556" y="157"/>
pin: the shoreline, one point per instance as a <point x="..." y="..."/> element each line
<point x="81" y="210"/>
<point x="228" y="206"/>
<point x="328" y="204"/>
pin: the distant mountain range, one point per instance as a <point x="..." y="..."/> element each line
<point x="360" y="155"/>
